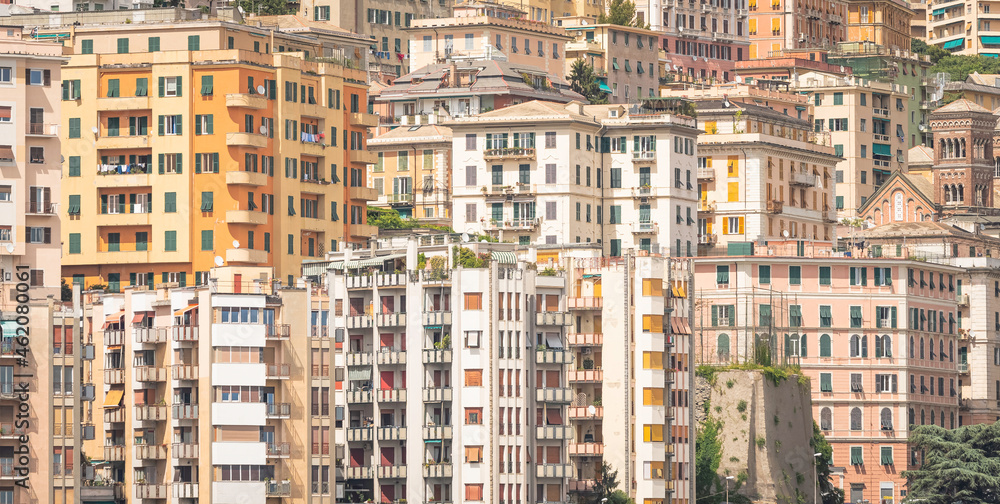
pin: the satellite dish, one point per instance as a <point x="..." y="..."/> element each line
<point x="218" y="261"/>
<point x="263" y="129"/>
<point x="236" y="244"/>
<point x="784" y="233"/>
<point x="10" y="247"/>
<point x="94" y="129"/>
<point x="261" y="89"/>
<point x="592" y="410"/>
<point x="465" y="237"/>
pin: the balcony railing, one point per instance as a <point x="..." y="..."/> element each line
<point x="184" y="411"/>
<point x="437" y="356"/>
<point x="43" y="129"/>
<point x="512" y="224"/>
<point x="114" y="453"/>
<point x="586" y="303"/>
<point x="278" y="489"/>
<point x="585" y="339"/>
<point x="278" y="450"/>
<point x="114" y="376"/>
<point x="36" y="207"/>
<point x="184" y="333"/>
<point x="278" y="332"/>
<point x="184" y="450"/>
<point x="279" y="410"/>
<point x="644" y="156"/>
<point x="706" y="173"/>
<point x="279" y="371"/>
<point x="150" y="412"/>
<point x="509" y="153"/>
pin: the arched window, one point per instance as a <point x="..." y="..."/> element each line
<point x="886" y="418"/>
<point x="922" y="420"/>
<point x="921" y="347"/>
<point x="864" y="346"/>
<point x="963" y="154"/>
<point x="791" y="344"/>
<point x="826" y="419"/>
<point x="855" y="419"/>
<point x="952" y="420"/>
<point x="803" y="351"/>
<point x="951" y="351"/>
<point x="930" y="349"/>
<point x="961" y="192"/>
<point x="911" y="347"/>
<point x="912" y="416"/>
<point x="824" y="346"/>
<point x="947" y="194"/>
<point x="883" y="346"/>
<point x="933" y="417"/>
<point x="855" y="345"/>
<point x="941" y="353"/>
<point x="723" y="347"/>
<point x="942" y="419"/>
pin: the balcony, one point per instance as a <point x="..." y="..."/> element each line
<point x="123" y="142"/>
<point x="184" y="450"/>
<point x="437" y="356"/>
<point x="585" y="303"/>
<point x="363" y="231"/>
<point x="585" y="339"/>
<point x="278" y="371"/>
<point x="644" y="228"/>
<point x="246" y="140"/>
<point x="391" y="356"/>
<point x="278" y="450"/>
<point x="359" y="322"/>
<point x="148" y="412"/>
<point x="586" y="449"/>
<point x="114" y="376"/>
<point x="391" y="433"/>
<point x="512" y="224"/>
<point x="550" y="356"/>
<point x="359" y="434"/>
<point x="511" y="153"/>
<point x="245" y="100"/>
<point x="358" y="472"/>
<point x="884" y="112"/>
<point x="432" y="432"/>
<point x="554" y="395"/>
<point x="246" y="217"/>
<point x="584" y="486"/>
<point x="245" y="178"/>
<point x="184" y="372"/>
<point x="150" y="452"/>
<point x="643" y="192"/>
<point x="390" y="319"/>
<point x="439" y="394"/>
<point x="359" y="359"/>
<point x="184" y="411"/>
<point x="436" y="318"/>
<point x="359" y="396"/>
<point x="184" y="333"/>
<point x="963" y="367"/>
<point x="706" y="173"/>
<point x="390" y="279"/>
<point x="553" y="318"/>
<point x="42" y="130"/>
<point x="150" y="374"/>
<point x="119" y="103"/>
<point x="114" y="453"/>
<point x="114" y="415"/>
<point x="279" y="410"/>
<point x="278" y="488"/>
<point x="583" y="412"/>
<point x="586" y="376"/>
<point x="362" y="156"/>
<point x="802" y="179"/>
<point x="362" y="193"/>
<point x="775" y="206"/>
<point x="437" y="470"/>
<point x="363" y="119"/>
<point x="148" y="335"/>
<point x="40" y="208"/>
<point x="185" y="490"/>
<point x="144" y="491"/>
<point x="554" y="471"/>
<point x="243" y="255"/>
<point x="391" y="395"/>
<point x="644" y="157"/>
<point x="391" y="471"/>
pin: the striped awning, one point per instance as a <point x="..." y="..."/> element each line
<point x="364" y="373"/>
<point x="372" y="261"/>
<point x="990" y="40"/>
<point x="505" y="257"/>
<point x="881" y="149"/>
<point x="8" y="328"/>
<point x="951" y="44"/>
<point x="113" y="398"/>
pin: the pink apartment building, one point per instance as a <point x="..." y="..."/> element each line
<point x="876" y="336"/>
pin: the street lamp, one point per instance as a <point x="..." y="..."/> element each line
<point x="816" y="477"/>
<point x="727" y="487"/>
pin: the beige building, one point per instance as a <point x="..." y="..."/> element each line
<point x="966" y="28"/>
<point x="413" y="172"/>
<point x="918" y="23"/>
<point x="762" y="176"/>
<point x="625" y="59"/>
<point x="30" y="188"/>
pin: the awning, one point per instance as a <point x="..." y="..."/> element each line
<point x="364" y="373"/>
<point x="372" y="261"/>
<point x="113" y="319"/>
<point x="113" y="398"/>
<point x="605" y="88"/>
<point x="6" y="153"/>
<point x="799" y="107"/>
<point x="432" y="441"/>
<point x="937" y="12"/>
<point x="591" y="275"/>
<point x="553" y="341"/>
<point x="184" y="310"/>
<point x="990" y="55"/>
<point x="951" y="44"/>
<point x="881" y="149"/>
<point x="113" y="348"/>
<point x="990" y="40"/>
<point x="8" y="328"/>
<point x="138" y="317"/>
<point x="552" y="417"/>
<point x="505" y="257"/>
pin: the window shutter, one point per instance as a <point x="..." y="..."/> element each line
<point x="197" y="124"/>
<point x="732" y="315"/>
<point x="864" y="276"/>
<point x="209" y="128"/>
<point x="179" y="85"/>
<point x="892" y="312"/>
<point x="178" y="124"/>
<point x="197" y="163"/>
<point x="121" y="203"/>
<point x="215" y="162"/>
<point x="715" y="316"/>
<point x="65" y="90"/>
<point x="104" y="203"/>
<point x="162" y="87"/>
<point x="161" y="127"/>
<point x="160" y="162"/>
<point x="180" y="162"/>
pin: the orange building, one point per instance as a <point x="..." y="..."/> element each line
<point x="886" y="23"/>
<point x="779" y="25"/>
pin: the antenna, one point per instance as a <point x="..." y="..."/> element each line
<point x="219" y="261"/>
<point x="236" y="244"/>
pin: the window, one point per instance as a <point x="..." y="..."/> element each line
<point x="825" y="382"/>
<point x="474" y="492"/>
<point x="473" y="339"/>
<point x="824" y="346"/>
<point x="39" y="235"/>
<point x="795" y="275"/>
<point x="826" y="419"/>
<point x="473" y="301"/>
<point x="473" y="416"/>
<point x="855" y="316"/>
<point x="207" y="240"/>
<point x="170" y="86"/>
<point x="722" y="274"/>
<point x="170" y="241"/>
<point x="473" y="377"/>
<point x="855" y="425"/>
<point x="886" y="451"/>
<point x="123" y="46"/>
<point x="763" y="274"/>
<point x="473" y="454"/>
<point x="857" y="454"/>
<point x="824" y="275"/>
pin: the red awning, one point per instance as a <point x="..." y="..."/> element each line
<point x="138" y="317"/>
<point x="553" y="417"/>
<point x="113" y="319"/>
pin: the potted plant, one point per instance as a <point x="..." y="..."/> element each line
<point x="588" y="364"/>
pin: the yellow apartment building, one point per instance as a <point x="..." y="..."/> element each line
<point x="886" y="23"/>
<point x="413" y="172"/>
<point x="193" y="144"/>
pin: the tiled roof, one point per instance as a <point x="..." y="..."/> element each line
<point x="961" y="105"/>
<point x="921" y="155"/>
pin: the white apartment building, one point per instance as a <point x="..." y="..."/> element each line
<point x="485" y="382"/>
<point x="547" y="173"/>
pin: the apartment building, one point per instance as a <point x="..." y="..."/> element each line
<point x="918" y="23"/>
<point x="162" y="121"/>
<point x="236" y="346"/>
<point x="87" y="5"/>
<point x="963" y="29"/>
<point x="625" y="59"/>
<point x="29" y="165"/>
<point x="700" y="40"/>
<point x="890" y="363"/>
<point x="619" y="177"/>
<point x="982" y="89"/>
<point x="413" y="172"/>
<point x="509" y="404"/>
<point x="549" y="11"/>
<point x="783" y="25"/>
<point x="886" y="23"/>
<point x="762" y="176"/>
<point x="481" y="30"/>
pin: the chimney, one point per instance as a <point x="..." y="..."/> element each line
<point x="452" y="75"/>
<point x="431" y="119"/>
<point x="403" y="120"/>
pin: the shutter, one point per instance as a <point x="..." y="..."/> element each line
<point x="182" y="279"/>
<point x="104" y="203"/>
<point x="892" y="315"/>
<point x="179" y="86"/>
<point x="878" y="344"/>
<point x="732" y="315"/>
<point x="802" y="346"/>
<point x="165" y="277"/>
<point x="162" y="87"/>
<point x="47" y="77"/>
<point x="741" y="225"/>
<point x="65" y="90"/>
<point x="215" y="162"/>
<point x="864" y="276"/>
<point x="131" y="278"/>
<point x="197" y="124"/>
<point x="209" y="128"/>
<point x="179" y="162"/>
<point x="121" y="203"/>
<point x="178" y="124"/>
<point x="160" y="159"/>
<point x="197" y="163"/>
<point x="161" y="127"/>
<point x="715" y="316"/>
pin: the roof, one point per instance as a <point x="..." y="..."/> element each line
<point x="535" y="110"/>
<point x="961" y="105"/>
<point x="983" y="79"/>
<point x="288" y="23"/>
<point x="492" y="77"/>
<point x="708" y="107"/>
<point x="914" y="230"/>
<point x="412" y="134"/>
<point x="916" y="182"/>
<point x="920" y="155"/>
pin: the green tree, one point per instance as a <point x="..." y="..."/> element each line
<point x="619" y="497"/>
<point x="959" y="465"/>
<point x="829" y="493"/>
<point x="583" y="80"/>
<point x="608" y="482"/>
<point x="384" y="218"/>
<point x="708" y="455"/>
<point x="935" y="52"/>
<point x="620" y="12"/>
<point x="67" y="291"/>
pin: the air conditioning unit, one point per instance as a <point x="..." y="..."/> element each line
<point x="587" y="351"/>
<point x="584" y="459"/>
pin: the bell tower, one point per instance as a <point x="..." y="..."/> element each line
<point x="963" y="155"/>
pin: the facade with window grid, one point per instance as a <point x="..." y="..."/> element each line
<point x="29" y="157"/>
<point x="486" y="384"/>
<point x="173" y="162"/>
<point x="412" y="174"/>
<point x="549" y="173"/>
<point x="879" y="339"/>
